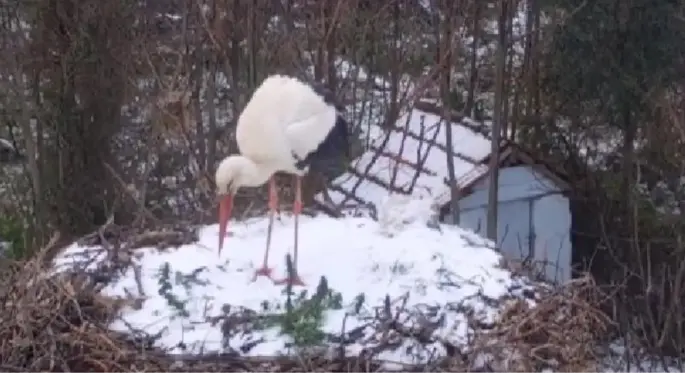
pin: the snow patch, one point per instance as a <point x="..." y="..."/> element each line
<point x="398" y="211"/>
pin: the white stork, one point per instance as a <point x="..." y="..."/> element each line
<point x="287" y="126"/>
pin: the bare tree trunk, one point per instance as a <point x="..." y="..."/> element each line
<point x="20" y="84"/>
<point x="536" y="60"/>
<point x="196" y="105"/>
<point x="319" y="65"/>
<point x="528" y="57"/>
<point x="29" y="139"/>
<point x="508" y="76"/>
<point x="82" y="119"/>
<point x="497" y="120"/>
<point x="252" y="46"/>
<point x="394" y="69"/>
<point x="235" y="61"/>
<point x="628" y="179"/>
<point x="331" y="44"/>
<point x="445" y="52"/>
<point x="211" y="109"/>
<point x="33" y="151"/>
<point x="473" y="81"/>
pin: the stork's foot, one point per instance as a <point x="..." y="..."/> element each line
<point x="293" y="280"/>
<point x="263" y="271"/>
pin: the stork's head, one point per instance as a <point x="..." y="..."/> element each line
<point x="234" y="172"/>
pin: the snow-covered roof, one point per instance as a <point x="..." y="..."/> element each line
<point x="412" y="159"/>
<point x="426" y="274"/>
<point x="508" y="152"/>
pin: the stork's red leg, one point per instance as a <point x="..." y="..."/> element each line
<point x="264" y="270"/>
<point x="294" y="278"/>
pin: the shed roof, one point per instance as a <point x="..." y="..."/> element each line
<point x="510" y="154"/>
<point x="411" y="158"/>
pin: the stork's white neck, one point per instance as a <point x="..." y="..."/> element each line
<point x="240" y="171"/>
<point x="254" y="174"/>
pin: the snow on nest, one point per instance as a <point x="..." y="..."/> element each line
<point x="422" y="274"/>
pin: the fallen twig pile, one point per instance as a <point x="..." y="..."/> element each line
<point x="59" y="324"/>
<point x="561" y="332"/>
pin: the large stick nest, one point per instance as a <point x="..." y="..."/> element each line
<point x="60" y="323"/>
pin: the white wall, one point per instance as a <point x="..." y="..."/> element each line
<point x="552" y="224"/>
<point x="513" y="226"/>
<point x="526" y="205"/>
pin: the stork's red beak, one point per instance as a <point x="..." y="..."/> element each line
<point x="225" y="207"/>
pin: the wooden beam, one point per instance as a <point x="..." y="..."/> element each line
<point x="328" y="210"/>
<point x="443" y="148"/>
<point x="376" y="180"/>
<point x="398" y="159"/>
<point x="453" y="116"/>
<point x="347" y="194"/>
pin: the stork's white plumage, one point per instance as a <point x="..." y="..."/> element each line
<point x="287" y="126"/>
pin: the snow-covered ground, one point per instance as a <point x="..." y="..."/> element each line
<point x="424" y="274"/>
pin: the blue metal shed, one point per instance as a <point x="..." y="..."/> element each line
<point x="534" y="216"/>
